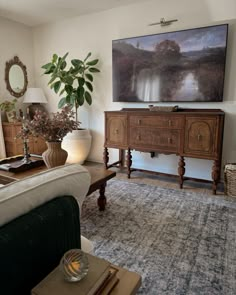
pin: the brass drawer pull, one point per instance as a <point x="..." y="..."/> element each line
<point x="116" y="131"/>
<point x="199" y="137"/>
<point x="139" y="121"/>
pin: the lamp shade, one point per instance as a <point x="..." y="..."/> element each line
<point x="34" y="95"/>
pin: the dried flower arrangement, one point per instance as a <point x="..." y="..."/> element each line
<point x="52" y="128"/>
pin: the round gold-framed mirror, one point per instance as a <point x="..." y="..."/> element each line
<point x="16" y="77"/>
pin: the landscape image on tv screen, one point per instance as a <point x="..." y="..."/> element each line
<point x="182" y="66"/>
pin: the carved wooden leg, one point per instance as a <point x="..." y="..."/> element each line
<point x="181" y="171"/>
<point x="129" y="162"/>
<point x="102" y="198"/>
<point x="121" y="158"/>
<point x="106" y="157"/>
<point x="215" y="175"/>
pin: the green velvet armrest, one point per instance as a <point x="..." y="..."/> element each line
<point x="32" y="245"/>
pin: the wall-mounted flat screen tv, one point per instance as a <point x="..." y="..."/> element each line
<point x="182" y="66"/>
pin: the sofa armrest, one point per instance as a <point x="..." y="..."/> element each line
<point x="22" y="196"/>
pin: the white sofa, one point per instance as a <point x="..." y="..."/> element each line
<point x="22" y="196"/>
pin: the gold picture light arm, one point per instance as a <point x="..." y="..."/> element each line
<point x="164" y="22"/>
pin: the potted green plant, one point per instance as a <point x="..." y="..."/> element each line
<point x="9" y="108"/>
<point x="74" y="83"/>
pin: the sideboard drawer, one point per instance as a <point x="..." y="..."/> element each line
<point x="161" y="121"/>
<point x="155" y="139"/>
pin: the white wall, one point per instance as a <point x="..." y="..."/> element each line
<point x="15" y="39"/>
<point x="95" y="32"/>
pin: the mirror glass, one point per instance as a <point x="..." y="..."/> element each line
<point x="16" y="77"/>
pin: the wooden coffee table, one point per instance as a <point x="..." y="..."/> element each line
<point x="99" y="178"/>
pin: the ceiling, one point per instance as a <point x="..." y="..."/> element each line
<point x="36" y="12"/>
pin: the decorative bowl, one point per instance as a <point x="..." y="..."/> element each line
<point x="74" y="265"/>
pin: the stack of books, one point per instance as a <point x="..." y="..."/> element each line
<point x="100" y="280"/>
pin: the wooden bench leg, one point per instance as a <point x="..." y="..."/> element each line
<point x="102" y="198"/>
<point x="106" y="157"/>
<point x="181" y="171"/>
<point x="215" y="175"/>
<point x="129" y="162"/>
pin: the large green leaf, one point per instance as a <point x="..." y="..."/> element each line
<point x="62" y="102"/>
<point x="80" y="91"/>
<point x="52" y="85"/>
<point x="92" y="62"/>
<point x="68" y="98"/>
<point x="57" y="86"/>
<point x="75" y="71"/>
<point x="76" y="62"/>
<point x="68" y="89"/>
<point x="54" y="58"/>
<point x="63" y="65"/>
<point x="52" y="79"/>
<point x="65" y="56"/>
<point x="73" y="98"/>
<point x="89" y="54"/>
<point x="89" y="86"/>
<point x="50" y="70"/>
<point x="80" y="100"/>
<point x="47" y="66"/>
<point x="62" y="74"/>
<point x="81" y="81"/>
<point x="69" y="80"/>
<point x="62" y="91"/>
<point x="88" y="97"/>
<point x="89" y="77"/>
<point x="94" y="70"/>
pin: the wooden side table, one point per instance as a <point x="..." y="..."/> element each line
<point x="15" y="146"/>
<point x="128" y="284"/>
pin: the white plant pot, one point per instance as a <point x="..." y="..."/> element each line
<point x="77" y="143"/>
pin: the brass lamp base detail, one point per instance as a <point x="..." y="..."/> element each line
<point x="32" y="108"/>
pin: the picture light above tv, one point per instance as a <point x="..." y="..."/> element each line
<point x="181" y="66"/>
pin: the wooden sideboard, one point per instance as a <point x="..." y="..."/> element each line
<point x="194" y="133"/>
<point x="15" y="146"/>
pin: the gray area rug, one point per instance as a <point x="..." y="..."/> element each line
<point x="180" y="242"/>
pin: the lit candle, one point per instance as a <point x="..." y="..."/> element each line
<point x="74" y="266"/>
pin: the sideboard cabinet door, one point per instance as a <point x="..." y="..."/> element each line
<point x="116" y="130"/>
<point x="201" y="137"/>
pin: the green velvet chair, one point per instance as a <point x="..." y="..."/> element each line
<point x="32" y="245"/>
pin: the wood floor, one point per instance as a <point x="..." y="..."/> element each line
<point x="163" y="181"/>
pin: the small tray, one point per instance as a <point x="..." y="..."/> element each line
<point x="15" y="164"/>
<point x="163" y="108"/>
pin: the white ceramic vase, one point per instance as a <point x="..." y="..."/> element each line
<point x="77" y="143"/>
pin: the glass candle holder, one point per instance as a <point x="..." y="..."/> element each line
<point x="74" y="265"/>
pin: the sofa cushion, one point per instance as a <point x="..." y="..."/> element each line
<point x="20" y="197"/>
